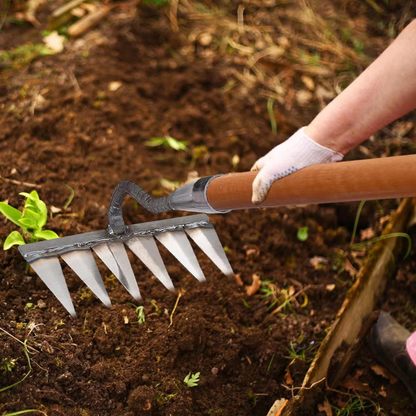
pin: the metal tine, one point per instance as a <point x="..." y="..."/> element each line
<point x="145" y="248"/>
<point x="50" y="272"/>
<point x="178" y="244"/>
<point x="82" y="262"/>
<point x="114" y="256"/>
<point x="208" y="241"/>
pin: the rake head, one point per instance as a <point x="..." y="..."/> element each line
<point x="110" y="246"/>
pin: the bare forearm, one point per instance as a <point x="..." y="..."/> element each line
<point x="384" y="92"/>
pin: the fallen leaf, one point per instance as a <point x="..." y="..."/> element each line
<point x="288" y="377"/>
<point x="308" y="82"/>
<point x="255" y="285"/>
<point x="353" y="383"/>
<point x="114" y="86"/>
<point x="382" y="392"/>
<point x="238" y="279"/>
<point x="316" y="261"/>
<point x="169" y="185"/>
<point x="367" y="234"/>
<point x="330" y="287"/>
<point x="381" y="371"/>
<point x="325" y="407"/>
<point x="251" y="252"/>
<point x="192" y="177"/>
<point x="54" y="42"/>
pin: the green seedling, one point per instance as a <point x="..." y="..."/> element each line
<point x="154" y="304"/>
<point x="141" y="318"/>
<point x="302" y="234"/>
<point x="7" y="364"/>
<point x="26" y="375"/>
<point x="167" y="141"/>
<point x="192" y="380"/>
<point x="279" y="298"/>
<point x="31" y="220"/>
<point x="301" y="354"/>
<point x="23" y="55"/>
<point x="354" y="405"/>
<point x="163" y="398"/>
<point x="360" y="246"/>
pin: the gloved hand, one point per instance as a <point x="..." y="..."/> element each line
<point x="297" y="152"/>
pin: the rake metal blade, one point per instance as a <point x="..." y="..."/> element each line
<point x="146" y="250"/>
<point x="114" y="256"/>
<point x="82" y="262"/>
<point x="50" y="270"/>
<point x="77" y="252"/>
<point x="208" y="241"/>
<point x="178" y="244"/>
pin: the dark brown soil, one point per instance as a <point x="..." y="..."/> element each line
<point x="80" y="135"/>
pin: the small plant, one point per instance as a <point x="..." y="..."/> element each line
<point x="361" y="245"/>
<point x="167" y="141"/>
<point x="31" y="220"/>
<point x="305" y="354"/>
<point x="302" y="234"/>
<point x="11" y="366"/>
<point x="355" y="404"/>
<point x="163" y="398"/>
<point x="7" y="364"/>
<point x="141" y="318"/>
<point x="192" y="380"/>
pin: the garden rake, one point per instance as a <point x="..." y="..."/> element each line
<point x="393" y="177"/>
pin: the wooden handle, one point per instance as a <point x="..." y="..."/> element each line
<point x="384" y="178"/>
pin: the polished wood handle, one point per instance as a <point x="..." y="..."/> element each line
<point x="383" y="178"/>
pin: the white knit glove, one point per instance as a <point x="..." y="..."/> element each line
<point x="297" y="152"/>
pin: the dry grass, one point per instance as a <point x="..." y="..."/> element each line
<point x="293" y="51"/>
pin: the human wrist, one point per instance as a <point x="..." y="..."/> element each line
<point x="330" y="144"/>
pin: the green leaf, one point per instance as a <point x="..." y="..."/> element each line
<point x="43" y="213"/>
<point x="31" y="214"/>
<point x="35" y="205"/>
<point x="13" y="239"/>
<point x="27" y="223"/>
<point x="191" y="380"/>
<point x="155" y="141"/>
<point x="302" y="234"/>
<point x="45" y="235"/>
<point x="176" y="144"/>
<point x="10" y="213"/>
<point x="33" y="196"/>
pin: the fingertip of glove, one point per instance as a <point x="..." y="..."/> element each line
<point x="255" y="200"/>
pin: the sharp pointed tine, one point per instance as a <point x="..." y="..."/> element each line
<point x="82" y="262"/>
<point x="126" y="275"/>
<point x="208" y="241"/>
<point x="146" y="250"/>
<point x="50" y="272"/>
<point x="178" y="244"/>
